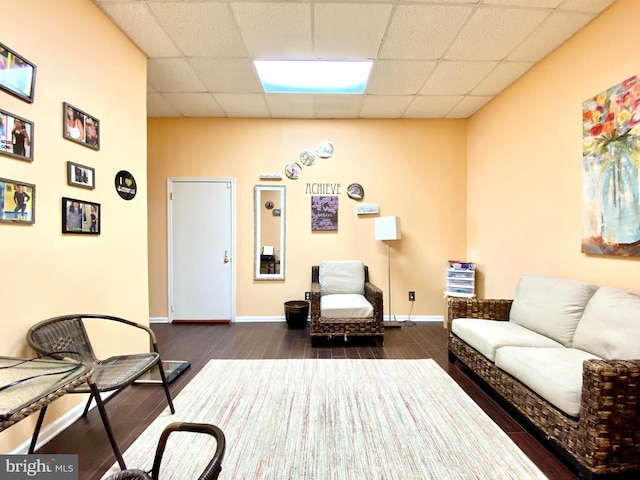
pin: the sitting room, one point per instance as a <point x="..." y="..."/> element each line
<point x="502" y="133"/>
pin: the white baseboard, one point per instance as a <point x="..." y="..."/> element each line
<point x="275" y="319"/>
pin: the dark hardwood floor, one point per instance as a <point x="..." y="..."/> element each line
<point x="133" y="410"/>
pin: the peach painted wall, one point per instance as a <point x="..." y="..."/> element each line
<point x="82" y="59"/>
<point x="525" y="163"/>
<point x="414" y="169"/>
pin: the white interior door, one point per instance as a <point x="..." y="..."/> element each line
<point x="200" y="250"/>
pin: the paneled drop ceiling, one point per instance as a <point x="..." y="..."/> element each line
<point x="432" y="58"/>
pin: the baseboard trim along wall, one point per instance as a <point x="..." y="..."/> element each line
<point x="399" y="318"/>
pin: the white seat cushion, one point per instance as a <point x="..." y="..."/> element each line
<point x="487" y="336"/>
<point x="341" y="276"/>
<point x="345" y="305"/>
<point x="550" y="306"/>
<point x="610" y="325"/>
<point x="553" y="373"/>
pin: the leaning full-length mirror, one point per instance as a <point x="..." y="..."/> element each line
<point x="270" y="215"/>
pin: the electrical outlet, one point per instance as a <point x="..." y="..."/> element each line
<point x="412" y="296"/>
<point x="307" y="296"/>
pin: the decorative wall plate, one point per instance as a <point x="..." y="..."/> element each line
<point x="355" y="191"/>
<point x="268" y="205"/>
<point x="293" y="171"/>
<point x="324" y="150"/>
<point x="308" y="157"/>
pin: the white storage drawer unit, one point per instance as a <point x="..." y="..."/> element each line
<point x="461" y="280"/>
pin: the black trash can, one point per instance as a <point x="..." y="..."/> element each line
<point x="296" y="313"/>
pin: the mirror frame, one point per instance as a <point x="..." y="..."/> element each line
<point x="258" y="209"/>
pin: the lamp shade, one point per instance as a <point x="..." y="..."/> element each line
<point x="387" y="228"/>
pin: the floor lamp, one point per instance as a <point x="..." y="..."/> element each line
<point x="388" y="229"/>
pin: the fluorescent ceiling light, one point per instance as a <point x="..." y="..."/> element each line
<point x="313" y="76"/>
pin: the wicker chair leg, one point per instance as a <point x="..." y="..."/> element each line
<point x="165" y="384"/>
<point x="107" y="425"/>
<point x="86" y="407"/>
<point x="314" y="341"/>
<point x="36" y="431"/>
<point x="452" y="357"/>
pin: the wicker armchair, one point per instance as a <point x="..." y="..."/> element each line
<point x="65" y="337"/>
<point x="210" y="472"/>
<point x="324" y="325"/>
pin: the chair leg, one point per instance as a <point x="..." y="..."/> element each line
<point x="36" y="432"/>
<point x="86" y="407"/>
<point x="165" y="384"/>
<point x="107" y="424"/>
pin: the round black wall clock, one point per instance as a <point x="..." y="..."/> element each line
<point x="126" y="185"/>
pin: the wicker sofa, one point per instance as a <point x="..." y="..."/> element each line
<point x="344" y="303"/>
<point x="565" y="355"/>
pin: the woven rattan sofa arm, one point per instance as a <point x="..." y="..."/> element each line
<point x="484" y="308"/>
<point x="374" y="296"/>
<point x="315" y="300"/>
<point x="610" y="412"/>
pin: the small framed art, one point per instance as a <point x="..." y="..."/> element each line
<point x="80" y="216"/>
<point x="17" y="74"/>
<point x="80" y="127"/>
<point x="16" y="136"/>
<point x="81" y="176"/>
<point x="17" y="201"/>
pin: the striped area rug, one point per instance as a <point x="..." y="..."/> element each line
<point x="328" y="419"/>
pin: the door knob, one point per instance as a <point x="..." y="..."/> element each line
<point x="226" y="257"/>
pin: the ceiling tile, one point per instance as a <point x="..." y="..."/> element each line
<point x="422" y="31"/>
<point x="555" y="30"/>
<point x="591" y="6"/>
<point x="509" y="27"/>
<point x="137" y="22"/>
<point x="468" y="106"/>
<point x="285" y="105"/>
<point x="349" y="30"/>
<point x="275" y="30"/>
<point x="384" y="106"/>
<point x="172" y="75"/>
<point x="501" y="77"/>
<point x="431" y="106"/>
<point x="157" y="106"/>
<point x="235" y="105"/>
<point x="226" y="75"/>
<point x="398" y="77"/>
<point x="337" y="106"/>
<point x="450" y="78"/>
<point x="200" y="28"/>
<point x="195" y="104"/>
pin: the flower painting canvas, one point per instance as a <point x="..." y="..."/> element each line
<point x="611" y="158"/>
<point x="324" y="213"/>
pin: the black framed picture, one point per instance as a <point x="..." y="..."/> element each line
<point x="81" y="176"/>
<point x="17" y="74"/>
<point x="80" y="127"/>
<point x="80" y="216"/>
<point x="17" y="201"/>
<point x="16" y="136"/>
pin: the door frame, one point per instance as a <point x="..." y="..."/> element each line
<point x="232" y="247"/>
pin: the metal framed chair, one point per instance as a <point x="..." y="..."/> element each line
<point x="210" y="472"/>
<point x="65" y="337"/>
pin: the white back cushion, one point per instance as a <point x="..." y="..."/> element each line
<point x="610" y="325"/>
<point x="550" y="306"/>
<point x="341" y="276"/>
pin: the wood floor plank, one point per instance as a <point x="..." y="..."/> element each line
<point x="135" y="408"/>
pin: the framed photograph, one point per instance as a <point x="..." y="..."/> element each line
<point x="17" y="201"/>
<point x="79" y="216"/>
<point x="80" y="127"/>
<point x="17" y="74"/>
<point x="16" y="136"/>
<point x="81" y="176"/>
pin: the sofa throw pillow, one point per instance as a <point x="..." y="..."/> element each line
<point x="610" y="325"/>
<point x="550" y="306"/>
<point x="341" y="276"/>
